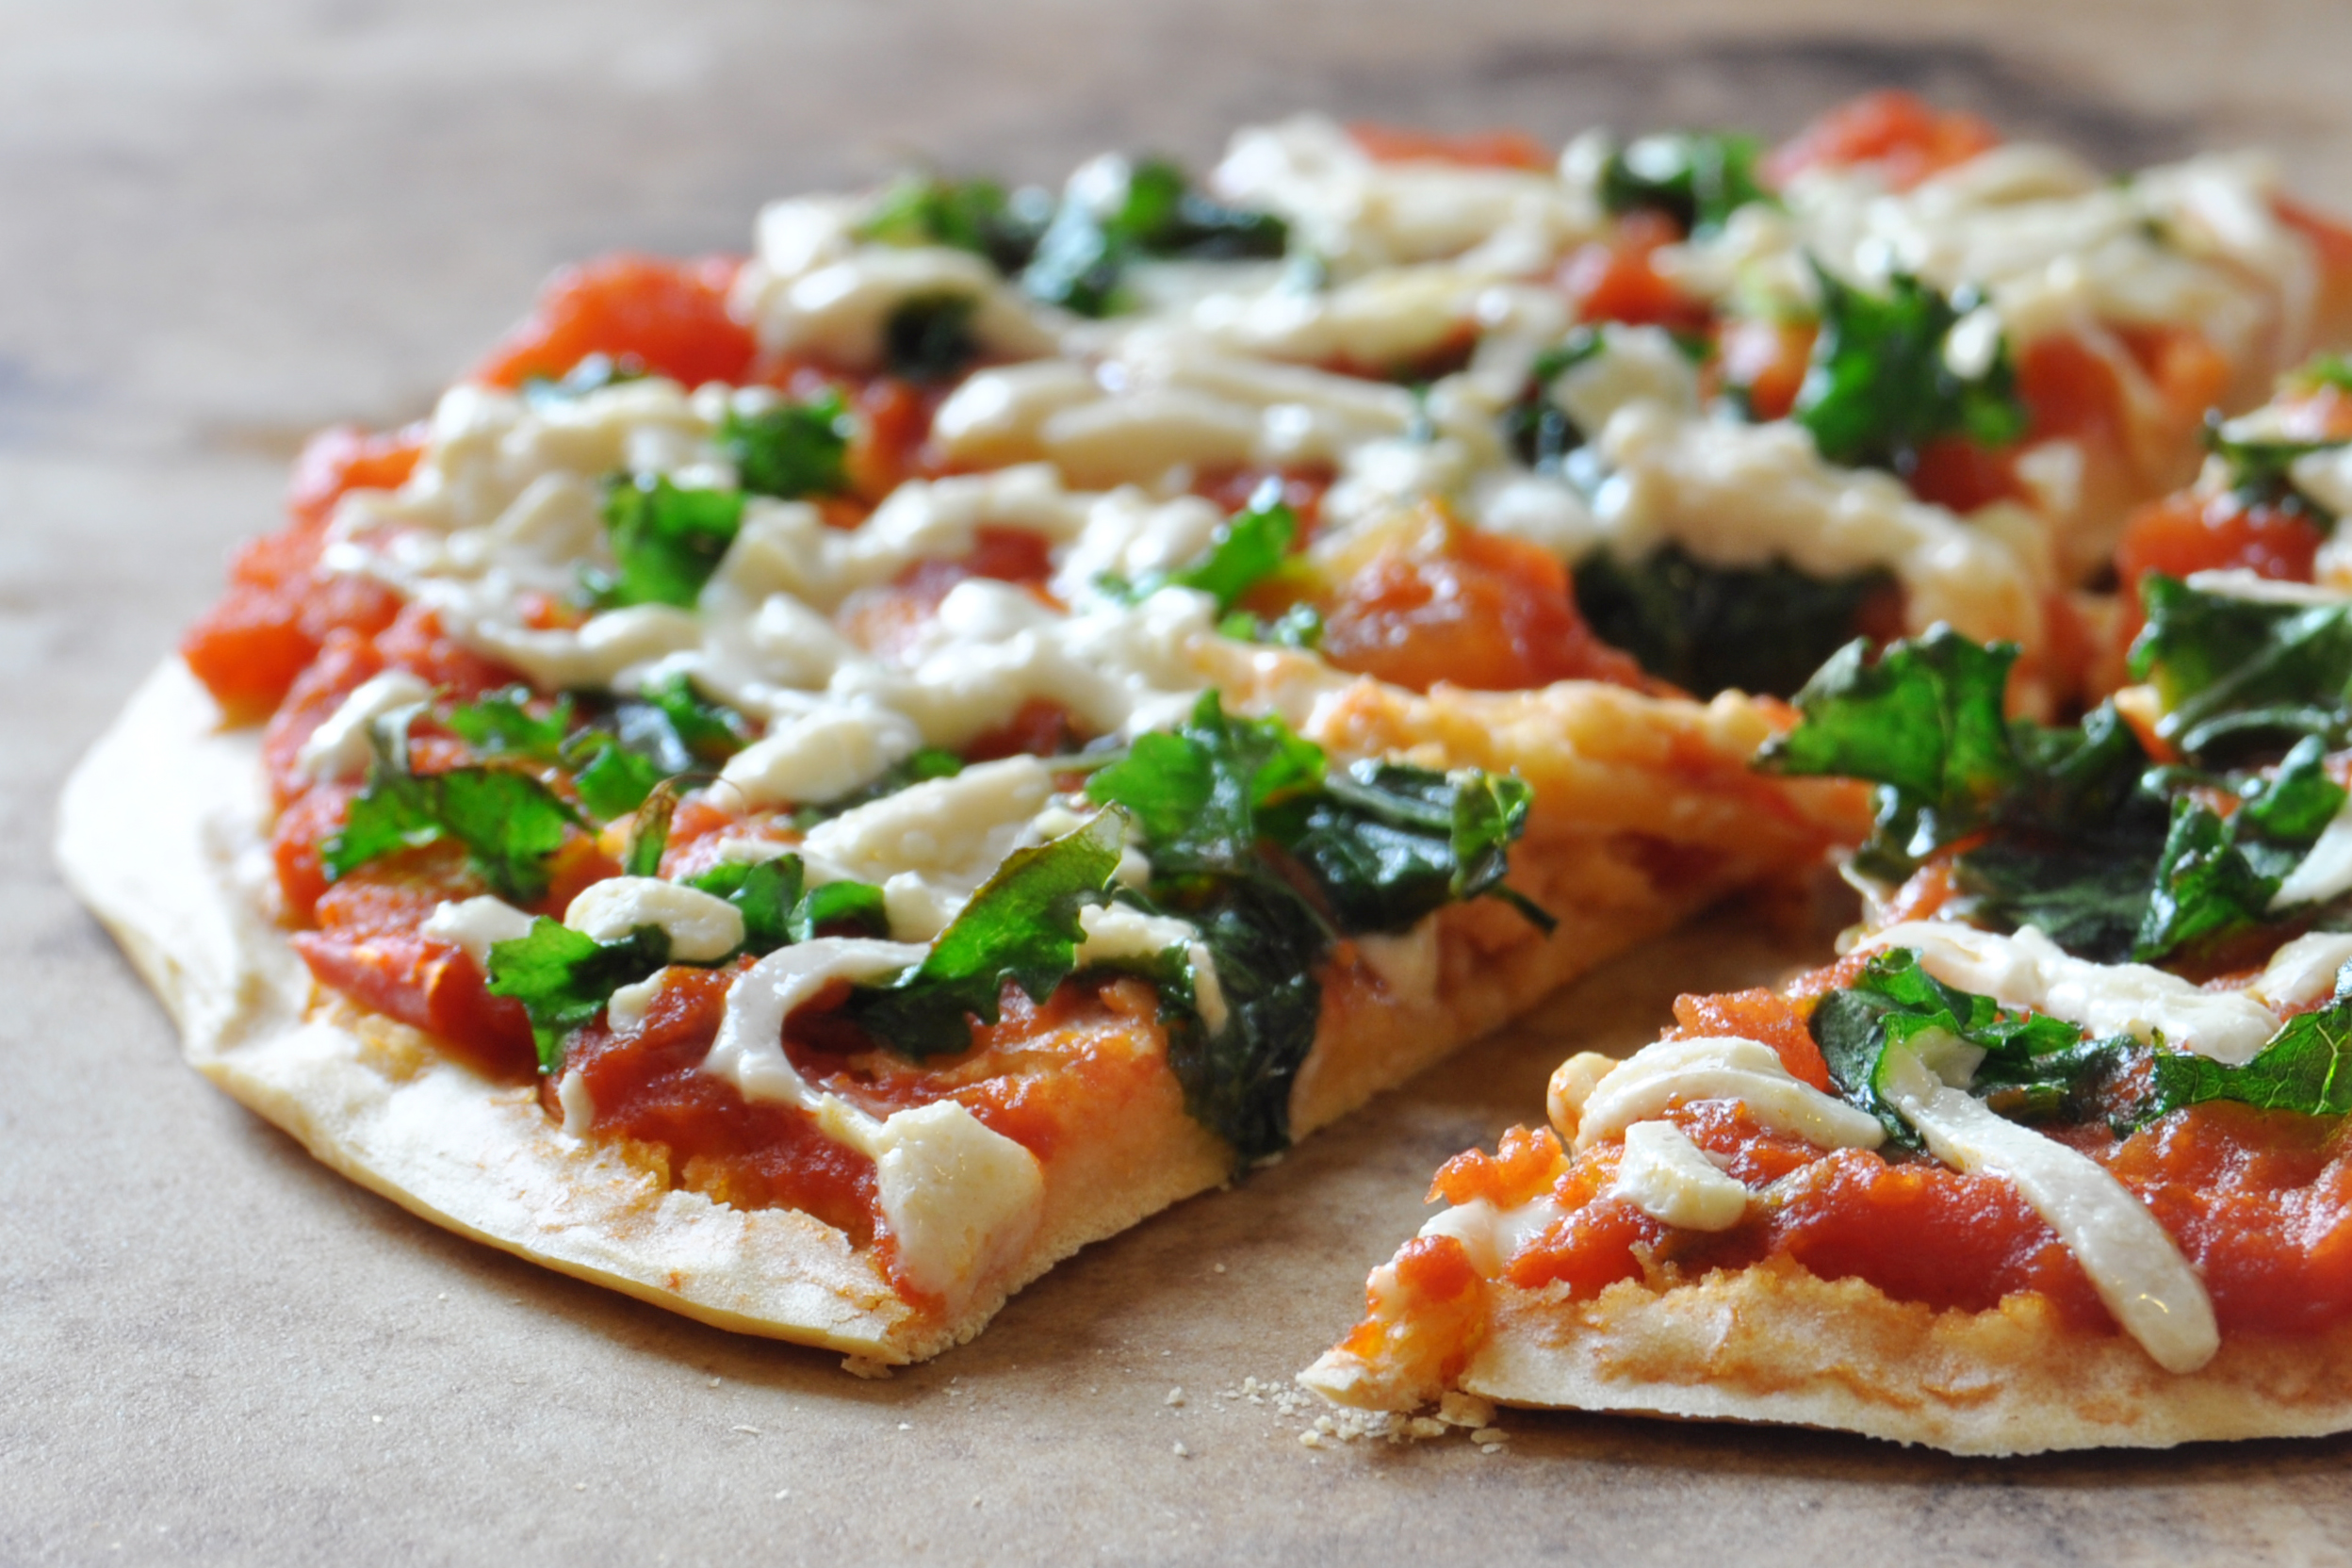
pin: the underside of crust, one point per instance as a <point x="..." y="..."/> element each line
<point x="1774" y="1344"/>
<point x="183" y="879"/>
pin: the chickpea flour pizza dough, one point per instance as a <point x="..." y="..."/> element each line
<point x="810" y="788"/>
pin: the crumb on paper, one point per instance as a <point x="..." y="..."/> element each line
<point x="714" y="1382"/>
<point x="1465" y="1410"/>
<point x="864" y="1366"/>
<point x="1176" y="1395"/>
<point x="753" y="1431"/>
<point x="1183" y="1452"/>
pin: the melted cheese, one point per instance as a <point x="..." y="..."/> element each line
<point x="474" y="924"/>
<point x="2029" y="971"/>
<point x="343" y="747"/>
<point x="1669" y="1073"/>
<point x="1669" y="1178"/>
<point x="702" y="928"/>
<point x="2304" y="970"/>
<point x="2132" y="1262"/>
<point x="958" y="1198"/>
<point x="1489" y="1236"/>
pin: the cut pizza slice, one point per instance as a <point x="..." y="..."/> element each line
<point x="2055" y="1157"/>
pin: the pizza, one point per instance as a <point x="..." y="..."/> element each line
<point x="811" y="786"/>
<point x="2056" y="1155"/>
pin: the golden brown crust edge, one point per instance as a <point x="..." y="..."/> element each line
<point x="1776" y="1345"/>
<point x="181" y="877"/>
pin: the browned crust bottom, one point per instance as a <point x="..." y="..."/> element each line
<point x="181" y="878"/>
<point x="1774" y="1344"/>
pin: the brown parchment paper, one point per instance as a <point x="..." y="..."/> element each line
<point x="227" y="225"/>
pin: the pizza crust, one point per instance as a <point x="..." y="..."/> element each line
<point x="181" y="875"/>
<point x="1774" y="1344"/>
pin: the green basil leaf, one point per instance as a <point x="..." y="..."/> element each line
<point x="667" y="541"/>
<point x="967" y="215"/>
<point x="1698" y="178"/>
<point x="1082" y="256"/>
<point x="1021" y="925"/>
<point x="563" y="979"/>
<point x="509" y="823"/>
<point x="2307" y="1066"/>
<point x="929" y="337"/>
<point x="790" y="450"/>
<point x="502" y="724"/>
<point x="1709" y="629"/>
<point x="2233" y="672"/>
<point x="1880" y="388"/>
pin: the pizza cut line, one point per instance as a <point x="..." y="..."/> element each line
<point x="810" y="788"/>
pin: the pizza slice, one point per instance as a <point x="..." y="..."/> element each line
<point x="2054" y="1157"/>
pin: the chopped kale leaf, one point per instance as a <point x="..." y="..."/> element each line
<point x="2307" y="1066"/>
<point x="2238" y="675"/>
<point x="1698" y="178"/>
<point x="792" y="449"/>
<point x="929" y="337"/>
<point x="1085" y="252"/>
<point x="507" y="822"/>
<point x="666" y="539"/>
<point x="1020" y="926"/>
<point x="1881" y="385"/>
<point x="1267" y="943"/>
<point x="563" y="977"/>
<point x="1249" y="548"/>
<point x="779" y="908"/>
<point x="1707" y="629"/>
<point x="1537" y="428"/>
<point x="2261" y="471"/>
<point x="969" y="215"/>
<point x="2027" y="1067"/>
<point x="612" y="780"/>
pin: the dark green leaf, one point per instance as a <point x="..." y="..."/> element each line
<point x="2206" y="887"/>
<point x="1925" y="722"/>
<point x="1267" y="943"/>
<point x="2260" y="470"/>
<point x="1707" y="628"/>
<point x="1022" y="926"/>
<point x="1698" y="178"/>
<point x="969" y="215"/>
<point x="2033" y="1067"/>
<point x="667" y="541"/>
<point x="563" y="977"/>
<point x="649" y="832"/>
<point x="779" y="909"/>
<point x="2234" y="673"/>
<point x="1879" y="388"/>
<point x="1300" y="626"/>
<point x="929" y="337"/>
<point x="1087" y="247"/>
<point x="2307" y="1066"/>
<point x="1196" y="792"/>
<point x="792" y="449"/>
<point x="1247" y="549"/>
<point x="1537" y="428"/>
<point x="612" y="780"/>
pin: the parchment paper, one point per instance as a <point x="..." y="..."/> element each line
<point x="225" y="225"/>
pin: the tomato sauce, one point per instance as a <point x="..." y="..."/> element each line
<point x="1899" y="133"/>
<point x="1493" y="149"/>
<point x="669" y="317"/>
<point x="1616" y="278"/>
<point x="1476" y="610"/>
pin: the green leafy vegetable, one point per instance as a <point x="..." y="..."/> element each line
<point x="792" y="449"/>
<point x="1085" y="252"/>
<point x="667" y="540"/>
<point x="1243" y="820"/>
<point x="1537" y="428"/>
<point x="1300" y="626"/>
<point x="507" y="822"/>
<point x="563" y="977"/>
<point x="1698" y="178"/>
<point x="1881" y="387"/>
<point x="2236" y="674"/>
<point x="649" y="832"/>
<point x="2307" y="1066"/>
<point x="1249" y="548"/>
<point x="672" y="727"/>
<point x="500" y="723"/>
<point x="779" y="909"/>
<point x="2261" y="469"/>
<point x="929" y="337"/>
<point x="1021" y="925"/>
<point x="612" y="780"/>
<point x="2027" y="1067"/>
<point x="969" y="215"/>
<point x="1707" y="628"/>
<point x="2217" y="875"/>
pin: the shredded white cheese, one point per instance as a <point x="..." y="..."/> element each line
<point x="1669" y="1073"/>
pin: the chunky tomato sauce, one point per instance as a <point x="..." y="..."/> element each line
<point x="2259" y="1201"/>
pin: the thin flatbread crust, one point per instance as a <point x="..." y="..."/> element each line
<point x="163" y="834"/>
